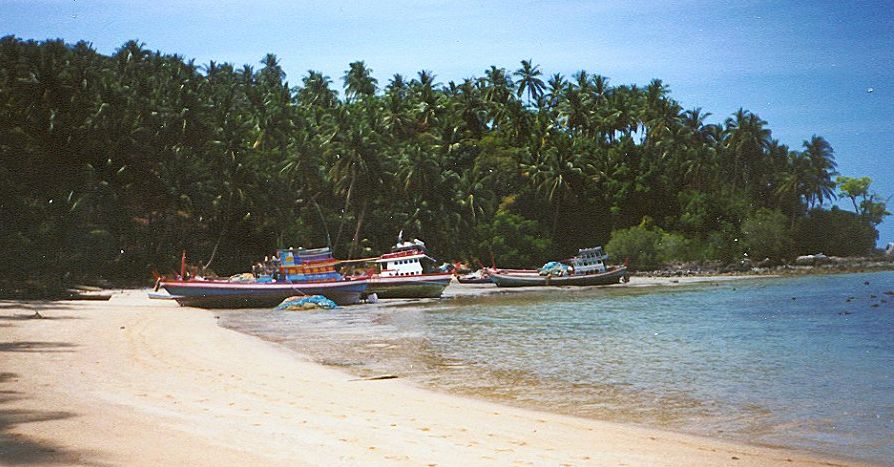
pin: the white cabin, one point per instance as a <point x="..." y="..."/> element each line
<point x="406" y="265"/>
<point x="589" y="261"/>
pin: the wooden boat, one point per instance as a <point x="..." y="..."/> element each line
<point x="408" y="272"/>
<point x="478" y="277"/>
<point x="612" y="276"/>
<point x="155" y="295"/>
<point x="225" y="294"/>
<point x="85" y="295"/>
<point x="587" y="268"/>
<point x="483" y="276"/>
<point x="291" y="272"/>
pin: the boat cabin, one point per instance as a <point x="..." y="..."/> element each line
<point x="589" y="261"/>
<point x="406" y="259"/>
<point x="301" y="265"/>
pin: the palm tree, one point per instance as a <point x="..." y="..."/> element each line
<point x="556" y="86"/>
<point x="272" y="73"/>
<point x="469" y="108"/>
<point x="792" y="189"/>
<point x="528" y="80"/>
<point x="746" y="140"/>
<point x="357" y="169"/>
<point x="573" y="110"/>
<point x="316" y="92"/>
<point x="820" y="168"/>
<point x="498" y="87"/>
<point x="559" y="174"/>
<point x="358" y="81"/>
<point x="397" y="119"/>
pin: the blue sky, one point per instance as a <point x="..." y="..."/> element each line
<point x="805" y="67"/>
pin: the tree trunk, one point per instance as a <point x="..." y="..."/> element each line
<point x="356" y="239"/>
<point x="223" y="231"/>
<point x="556" y="219"/>
<point x="341" y="223"/>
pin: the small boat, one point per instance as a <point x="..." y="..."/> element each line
<point x="74" y="294"/>
<point x="587" y="268"/>
<point x="291" y="272"/>
<point x="481" y="276"/>
<point x="408" y="272"/>
<point x="155" y="295"/>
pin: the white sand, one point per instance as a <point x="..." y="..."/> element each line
<point x="137" y="381"/>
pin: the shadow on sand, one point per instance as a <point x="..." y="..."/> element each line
<point x="31" y="316"/>
<point x="16" y="449"/>
<point x="40" y="305"/>
<point x="35" y="310"/>
<point x="36" y="346"/>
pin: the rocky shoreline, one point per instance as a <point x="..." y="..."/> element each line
<point x="820" y="265"/>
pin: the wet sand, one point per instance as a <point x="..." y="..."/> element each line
<point x="137" y="381"/>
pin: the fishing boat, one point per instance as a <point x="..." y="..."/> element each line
<point x="587" y="268"/>
<point x="481" y="276"/>
<point x="291" y="272"/>
<point x="408" y="272"/>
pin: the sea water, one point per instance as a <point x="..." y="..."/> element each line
<point x="804" y="362"/>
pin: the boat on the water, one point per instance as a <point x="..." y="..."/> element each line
<point x="291" y="272"/>
<point x="587" y="268"/>
<point x="408" y="272"/>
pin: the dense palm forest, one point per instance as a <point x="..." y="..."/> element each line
<point x="111" y="165"/>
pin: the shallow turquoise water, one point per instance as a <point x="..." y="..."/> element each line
<point x="805" y="362"/>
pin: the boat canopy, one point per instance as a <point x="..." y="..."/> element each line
<point x="302" y="264"/>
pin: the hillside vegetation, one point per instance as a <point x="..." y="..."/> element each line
<point x="111" y="165"/>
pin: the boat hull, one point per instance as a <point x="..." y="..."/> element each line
<point x="420" y="286"/>
<point x="473" y="280"/>
<point x="613" y="276"/>
<point x="223" y="294"/>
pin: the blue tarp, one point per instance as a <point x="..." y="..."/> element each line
<point x="306" y="302"/>
<point x="555" y="268"/>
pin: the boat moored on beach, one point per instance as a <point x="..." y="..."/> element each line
<point x="408" y="272"/>
<point x="293" y="272"/>
<point x="587" y="268"/>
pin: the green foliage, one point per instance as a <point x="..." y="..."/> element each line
<point x="675" y="247"/>
<point x="854" y="187"/>
<point x="111" y="165"/>
<point x="724" y="245"/>
<point x="835" y="233"/>
<point x="649" y="247"/>
<point x="765" y="234"/>
<point x="640" y="245"/>
<point x="870" y="205"/>
<point x="513" y="241"/>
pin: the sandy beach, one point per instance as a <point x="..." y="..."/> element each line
<point x="138" y="382"/>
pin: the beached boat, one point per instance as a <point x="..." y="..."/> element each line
<point x="292" y="272"/>
<point x="481" y="276"/>
<point x="587" y="268"/>
<point x="408" y="272"/>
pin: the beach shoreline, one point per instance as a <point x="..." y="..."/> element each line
<point x="141" y="381"/>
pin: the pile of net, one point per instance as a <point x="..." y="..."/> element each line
<point x="244" y="277"/>
<point x="555" y="268"/>
<point x="302" y="303"/>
